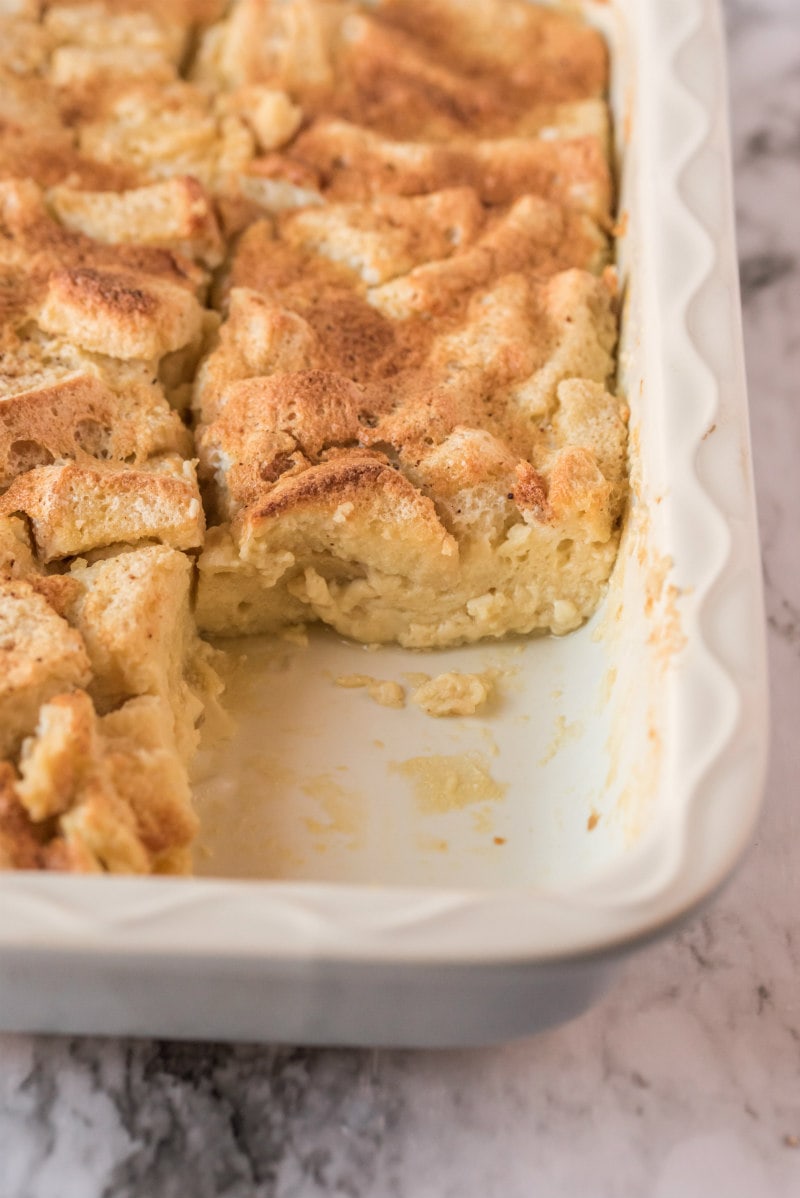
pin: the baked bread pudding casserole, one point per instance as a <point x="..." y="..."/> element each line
<point x="308" y="314"/>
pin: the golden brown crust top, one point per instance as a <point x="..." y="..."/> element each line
<point x="330" y="364"/>
<point x="541" y="53"/>
<point x="125" y="315"/>
<point x="429" y="68"/>
<point x="348" y="162"/>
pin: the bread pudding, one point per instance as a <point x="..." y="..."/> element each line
<point x="308" y="314"/>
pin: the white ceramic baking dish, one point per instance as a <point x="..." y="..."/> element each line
<point x="621" y="766"/>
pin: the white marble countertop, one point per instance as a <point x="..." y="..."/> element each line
<point x="684" y="1082"/>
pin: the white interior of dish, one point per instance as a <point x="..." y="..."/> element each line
<point x="311" y="784"/>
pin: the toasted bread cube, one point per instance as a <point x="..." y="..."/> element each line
<point x="16" y="552"/>
<point x="540" y="50"/>
<point x="357" y="163"/>
<point x="406" y="83"/>
<point x="124" y="280"/>
<point x="54" y="760"/>
<point x="32" y="361"/>
<point x="65" y="777"/>
<point x="382" y="519"/>
<point x="21" y="9"/>
<point x="124" y="315"/>
<point x="546" y="330"/>
<point x="588" y="416"/>
<point x="260" y="337"/>
<point x="133" y="612"/>
<point x="75" y="508"/>
<point x="25" y="46"/>
<point x="27" y="103"/>
<point x="568" y="119"/>
<point x="40" y="656"/>
<point x="288" y="46"/>
<point x="79" y="416"/>
<point x="74" y="67"/>
<point x="389" y="236"/>
<point x="532" y="235"/>
<point x="97" y="26"/>
<point x="176" y="214"/>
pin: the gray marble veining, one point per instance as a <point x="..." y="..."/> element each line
<point x="684" y="1082"/>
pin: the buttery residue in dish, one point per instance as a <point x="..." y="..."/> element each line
<point x="443" y="783"/>
<point x="381" y="690"/>
<point x="342" y="812"/>
<point x="257" y="833"/>
<point x="564" y="732"/>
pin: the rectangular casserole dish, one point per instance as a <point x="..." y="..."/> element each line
<point x="623" y="765"/>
